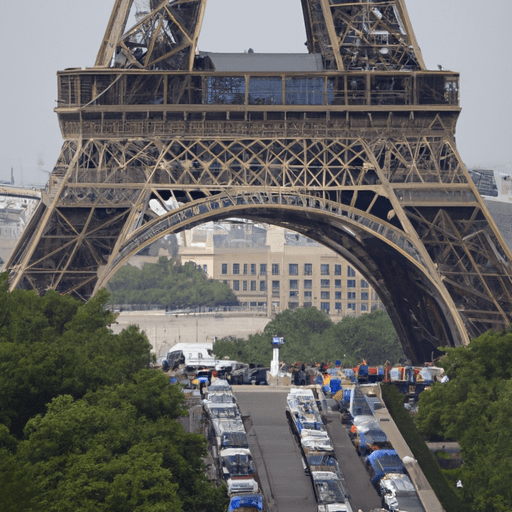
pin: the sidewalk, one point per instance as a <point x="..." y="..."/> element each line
<point x="426" y="494"/>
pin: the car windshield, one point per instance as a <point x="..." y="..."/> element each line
<point x="239" y="464"/>
<point x="321" y="460"/>
<point x="235" y="440"/>
<point x="222" y="398"/>
<point x="330" y="491"/>
<point x="224" y="412"/>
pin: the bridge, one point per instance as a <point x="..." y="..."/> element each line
<point x="352" y="145"/>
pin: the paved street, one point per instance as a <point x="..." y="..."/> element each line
<point x="363" y="495"/>
<point x="278" y="457"/>
<point x="275" y="451"/>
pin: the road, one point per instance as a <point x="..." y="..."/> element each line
<point x="276" y="454"/>
<point x="278" y="457"/>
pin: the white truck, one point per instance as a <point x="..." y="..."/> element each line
<point x="197" y="355"/>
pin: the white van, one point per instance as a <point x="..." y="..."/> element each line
<point x="191" y="354"/>
<point x="197" y="355"/>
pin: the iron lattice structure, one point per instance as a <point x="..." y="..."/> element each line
<point x="359" y="155"/>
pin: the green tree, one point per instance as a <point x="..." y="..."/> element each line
<point x="475" y="408"/>
<point x="56" y="345"/>
<point x="119" y="448"/>
<point x="310" y="336"/>
<point x="371" y="337"/>
<point x="83" y="424"/>
<point x="170" y="283"/>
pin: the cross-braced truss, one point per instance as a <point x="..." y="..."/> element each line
<point x="360" y="157"/>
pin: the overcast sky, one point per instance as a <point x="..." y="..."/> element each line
<point x="42" y="37"/>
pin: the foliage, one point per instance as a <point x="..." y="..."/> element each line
<point x="446" y="494"/>
<point x="83" y="424"/>
<point x="117" y="449"/>
<point x="56" y="345"/>
<point x="310" y="336"/>
<point x="475" y="408"/>
<point x="371" y="337"/>
<point x="168" y="282"/>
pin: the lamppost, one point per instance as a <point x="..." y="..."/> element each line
<point x="274" y="365"/>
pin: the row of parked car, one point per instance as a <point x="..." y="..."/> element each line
<point x="230" y="449"/>
<point x="387" y="470"/>
<point x="318" y="456"/>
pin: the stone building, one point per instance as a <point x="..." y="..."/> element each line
<point x="270" y="267"/>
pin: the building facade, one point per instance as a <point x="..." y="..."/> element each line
<point x="270" y="267"/>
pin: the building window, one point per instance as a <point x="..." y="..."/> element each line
<point x="325" y="295"/>
<point x="364" y="295"/>
<point x="351" y="295"/>
<point x="245" y="269"/>
<point x="324" y="269"/>
<point x="308" y="283"/>
<point x="308" y="304"/>
<point x="337" y="295"/>
<point x="275" y="269"/>
<point x="263" y="269"/>
<point x="308" y="269"/>
<point x="364" y="307"/>
<point x="337" y="270"/>
<point x="236" y="268"/>
<point x="351" y="306"/>
<point x="224" y="270"/>
<point x="253" y="286"/>
<point x="325" y="307"/>
<point x="226" y="282"/>
<point x="364" y="284"/>
<point x="253" y="269"/>
<point x="236" y="285"/>
<point x="294" y="284"/>
<point x="351" y="283"/>
<point x="337" y="283"/>
<point x="294" y="294"/>
<point x="263" y="286"/>
<point x="293" y="305"/>
<point x="308" y="295"/>
<point x="337" y="306"/>
<point x="350" y="272"/>
<point x="205" y="269"/>
<point x="275" y="285"/>
<point x="325" y="283"/>
<point x="293" y="269"/>
<point x="244" y="286"/>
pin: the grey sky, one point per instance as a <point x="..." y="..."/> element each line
<point x="42" y="37"/>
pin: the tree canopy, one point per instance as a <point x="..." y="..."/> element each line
<point x="310" y="335"/>
<point x="55" y="345"/>
<point x="475" y="408"/>
<point x="84" y="425"/>
<point x="170" y="283"/>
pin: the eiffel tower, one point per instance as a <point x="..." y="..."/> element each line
<point x="351" y="144"/>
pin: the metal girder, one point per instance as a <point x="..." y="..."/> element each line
<point x="163" y="37"/>
<point x="115" y="29"/>
<point x="362" y="35"/>
<point x="360" y="157"/>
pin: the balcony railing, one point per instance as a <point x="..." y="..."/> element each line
<point x="178" y="90"/>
